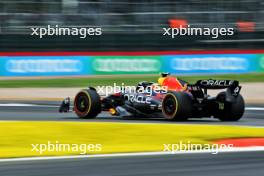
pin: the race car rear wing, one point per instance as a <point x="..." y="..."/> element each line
<point x="217" y="84"/>
<point x="232" y="85"/>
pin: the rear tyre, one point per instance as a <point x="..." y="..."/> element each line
<point x="87" y="104"/>
<point x="232" y="111"/>
<point x="177" y="106"/>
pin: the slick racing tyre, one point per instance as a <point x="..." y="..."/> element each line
<point x="232" y="111"/>
<point x="177" y="106"/>
<point x="87" y="104"/>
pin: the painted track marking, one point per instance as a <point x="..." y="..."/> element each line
<point x="37" y="105"/>
<point x="235" y="149"/>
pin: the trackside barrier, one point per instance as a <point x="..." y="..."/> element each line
<point x="260" y="63"/>
<point x="44" y="65"/>
<point x="208" y="64"/>
<point x="70" y="65"/>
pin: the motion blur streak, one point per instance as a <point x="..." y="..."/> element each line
<point x="232" y="164"/>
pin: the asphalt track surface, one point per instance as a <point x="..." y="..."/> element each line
<point x="48" y="111"/>
<point x="228" y="164"/>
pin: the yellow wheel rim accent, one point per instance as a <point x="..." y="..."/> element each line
<point x="89" y="99"/>
<point x="177" y="105"/>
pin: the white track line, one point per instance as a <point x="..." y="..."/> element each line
<point x="236" y="149"/>
<point x="44" y="106"/>
<point x="25" y="105"/>
<point x="255" y="108"/>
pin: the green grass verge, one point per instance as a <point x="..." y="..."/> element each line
<point x="17" y="136"/>
<point x="118" y="79"/>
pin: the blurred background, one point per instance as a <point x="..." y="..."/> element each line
<point x="37" y="74"/>
<point x="130" y="25"/>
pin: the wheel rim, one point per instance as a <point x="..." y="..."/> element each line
<point x="169" y="105"/>
<point x="82" y="103"/>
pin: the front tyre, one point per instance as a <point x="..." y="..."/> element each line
<point x="177" y="106"/>
<point x="87" y="104"/>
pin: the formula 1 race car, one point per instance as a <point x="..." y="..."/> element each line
<point x="171" y="98"/>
